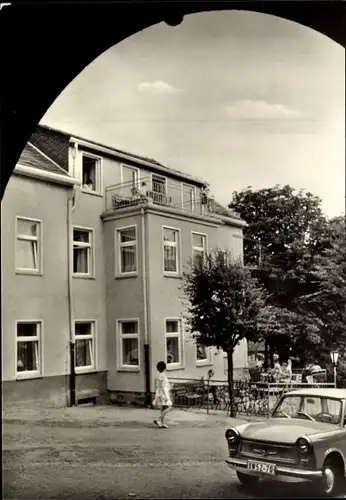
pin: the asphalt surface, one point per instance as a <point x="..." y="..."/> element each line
<point x="103" y="460"/>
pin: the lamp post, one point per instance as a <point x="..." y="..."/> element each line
<point x="334" y="357"/>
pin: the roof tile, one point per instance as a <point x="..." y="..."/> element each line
<point x="34" y="158"/>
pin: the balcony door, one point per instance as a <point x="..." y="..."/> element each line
<point x="188" y="197"/>
<point x="129" y="180"/>
<point x="159" y="189"/>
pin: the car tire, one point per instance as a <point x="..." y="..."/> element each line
<point x="247" y="480"/>
<point x="334" y="478"/>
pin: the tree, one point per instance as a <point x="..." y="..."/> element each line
<point x="277" y="218"/>
<point x="328" y="302"/>
<point x="223" y="305"/>
<point x="286" y="232"/>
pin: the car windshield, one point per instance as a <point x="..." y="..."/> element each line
<point x="319" y="408"/>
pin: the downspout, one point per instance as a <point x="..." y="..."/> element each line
<point x="145" y="298"/>
<point x="69" y="298"/>
<point x="74" y="154"/>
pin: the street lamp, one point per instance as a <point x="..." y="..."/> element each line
<point x="334" y="357"/>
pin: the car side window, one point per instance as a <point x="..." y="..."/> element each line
<point x="333" y="407"/>
<point x="289" y="405"/>
<point x="313" y="406"/>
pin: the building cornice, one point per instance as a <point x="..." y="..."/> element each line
<point x="168" y="212"/>
<point x="232" y="221"/>
<point x="43" y="175"/>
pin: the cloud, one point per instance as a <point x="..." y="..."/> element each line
<point x="260" y="111"/>
<point x="158" y="87"/>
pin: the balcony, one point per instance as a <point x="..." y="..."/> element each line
<point x="145" y="191"/>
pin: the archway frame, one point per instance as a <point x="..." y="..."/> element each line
<point x="52" y="45"/>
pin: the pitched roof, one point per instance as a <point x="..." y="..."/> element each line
<point x="34" y="158"/>
<point x="58" y="149"/>
<point x="221" y="210"/>
<point x="52" y="143"/>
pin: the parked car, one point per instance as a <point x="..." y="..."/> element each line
<point x="305" y="439"/>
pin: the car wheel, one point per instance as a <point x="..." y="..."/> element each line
<point x="247" y="480"/>
<point x="333" y="478"/>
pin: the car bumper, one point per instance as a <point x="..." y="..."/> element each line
<point x="240" y="465"/>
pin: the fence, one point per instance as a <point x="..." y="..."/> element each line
<point x="250" y="399"/>
<point x="146" y="191"/>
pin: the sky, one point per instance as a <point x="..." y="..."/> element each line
<point x="237" y="98"/>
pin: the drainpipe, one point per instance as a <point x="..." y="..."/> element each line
<point x="69" y="298"/>
<point x="74" y="154"/>
<point x="145" y="297"/>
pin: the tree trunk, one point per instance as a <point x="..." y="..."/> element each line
<point x="232" y="409"/>
<point x="271" y="356"/>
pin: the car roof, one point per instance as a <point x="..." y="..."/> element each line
<point x="327" y="392"/>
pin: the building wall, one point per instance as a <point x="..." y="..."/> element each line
<point x="53" y="390"/>
<point x="89" y="294"/>
<point x="45" y="298"/>
<point x="165" y="292"/>
<point x="124" y="301"/>
<point x="27" y="297"/>
<point x="102" y="297"/>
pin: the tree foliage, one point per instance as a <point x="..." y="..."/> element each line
<point x="298" y="256"/>
<point x="223" y="303"/>
<point x="328" y="302"/>
<point x="278" y="218"/>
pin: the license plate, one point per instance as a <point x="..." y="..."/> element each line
<point x="262" y="467"/>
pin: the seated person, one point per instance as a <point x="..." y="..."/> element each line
<point x="285" y="373"/>
<point x="89" y="186"/>
<point x="276" y="373"/>
<point x="315" y="368"/>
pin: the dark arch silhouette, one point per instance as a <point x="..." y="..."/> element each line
<point x="46" y="46"/>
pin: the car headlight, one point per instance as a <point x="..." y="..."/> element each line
<point x="232" y="436"/>
<point x="303" y="445"/>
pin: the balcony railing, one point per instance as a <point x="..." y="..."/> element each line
<point x="145" y="192"/>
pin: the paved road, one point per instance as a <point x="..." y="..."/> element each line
<point x="132" y="460"/>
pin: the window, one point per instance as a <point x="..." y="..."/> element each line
<point x="28" y="349"/>
<point x="170" y="250"/>
<point x="173" y="342"/>
<point x="28" y="251"/>
<point x="188" y="197"/>
<point x="129" y="344"/>
<point x="84" y="338"/>
<point x="82" y="252"/>
<point x="199" y="245"/>
<point x="91" y="173"/>
<point x="202" y="354"/>
<point x="159" y="189"/>
<point x="127" y="250"/>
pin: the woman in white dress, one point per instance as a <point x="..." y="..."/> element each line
<point x="162" y="398"/>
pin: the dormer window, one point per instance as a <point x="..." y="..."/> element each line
<point x="91" y="173"/>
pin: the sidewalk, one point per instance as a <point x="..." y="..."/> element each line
<point x="111" y="415"/>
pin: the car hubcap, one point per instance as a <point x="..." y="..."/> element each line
<point x="328" y="480"/>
